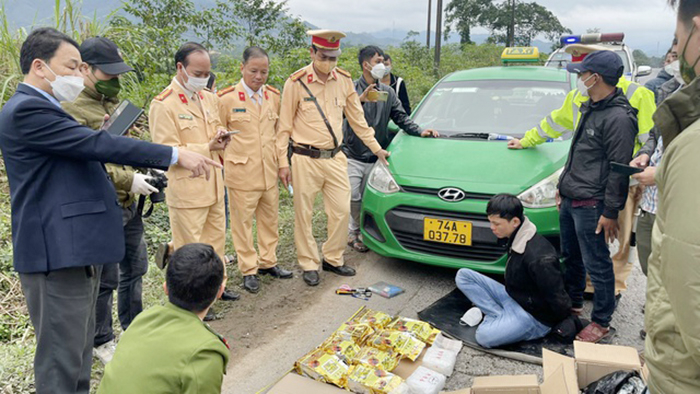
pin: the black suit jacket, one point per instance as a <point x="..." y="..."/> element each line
<point x="65" y="211"/>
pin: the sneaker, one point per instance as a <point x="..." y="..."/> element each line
<point x="105" y="352"/>
<point x="593" y="333"/>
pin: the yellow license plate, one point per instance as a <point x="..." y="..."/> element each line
<point x="447" y="231"/>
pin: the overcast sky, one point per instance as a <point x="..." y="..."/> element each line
<point x="644" y="22"/>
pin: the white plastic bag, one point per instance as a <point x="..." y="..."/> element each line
<point x="440" y="360"/>
<point x="443" y="342"/>
<point x="426" y="381"/>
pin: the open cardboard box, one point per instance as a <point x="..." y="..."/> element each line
<point x="562" y="374"/>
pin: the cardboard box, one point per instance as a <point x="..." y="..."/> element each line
<point x="595" y="361"/>
<point x="292" y="383"/>
<point x="520" y="384"/>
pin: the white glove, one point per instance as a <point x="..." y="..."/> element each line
<point x="140" y="186"/>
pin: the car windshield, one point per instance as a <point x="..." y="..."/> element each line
<point x="560" y="59"/>
<point x="507" y="107"/>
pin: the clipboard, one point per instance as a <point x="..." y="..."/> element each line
<point x="121" y="120"/>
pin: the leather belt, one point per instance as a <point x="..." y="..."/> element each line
<point x="315" y="153"/>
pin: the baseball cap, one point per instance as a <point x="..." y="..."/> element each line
<point x="607" y="64"/>
<point x="102" y="53"/>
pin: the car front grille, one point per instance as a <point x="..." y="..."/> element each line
<point x="434" y="192"/>
<point x="406" y="223"/>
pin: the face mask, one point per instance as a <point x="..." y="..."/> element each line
<point x="325" y="66"/>
<point x="108" y="88"/>
<point x="65" y="87"/>
<point x="581" y="86"/>
<point x="195" y="84"/>
<point x="687" y="71"/>
<point x="388" y="70"/>
<point x="378" y="71"/>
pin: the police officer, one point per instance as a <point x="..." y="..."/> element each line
<point x="566" y="118"/>
<point x="186" y="116"/>
<point x="251" y="165"/>
<point x="101" y="68"/>
<point x="314" y="100"/>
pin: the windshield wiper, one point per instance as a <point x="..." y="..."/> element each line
<point x="479" y="136"/>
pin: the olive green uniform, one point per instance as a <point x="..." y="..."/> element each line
<point x="167" y="350"/>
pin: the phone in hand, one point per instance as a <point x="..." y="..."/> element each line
<point x="228" y="134"/>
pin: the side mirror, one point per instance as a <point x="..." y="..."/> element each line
<point x="643" y="71"/>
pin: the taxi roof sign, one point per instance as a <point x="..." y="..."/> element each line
<point x="520" y="54"/>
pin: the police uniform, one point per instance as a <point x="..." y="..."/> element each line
<point x="566" y="118"/>
<point x="318" y="164"/>
<point x="251" y="163"/>
<point x="196" y="205"/>
<point x="167" y="350"/>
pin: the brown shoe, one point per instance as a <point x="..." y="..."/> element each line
<point x="593" y="333"/>
<point x="357" y="244"/>
<point x="162" y="255"/>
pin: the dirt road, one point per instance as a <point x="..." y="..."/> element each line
<point x="268" y="331"/>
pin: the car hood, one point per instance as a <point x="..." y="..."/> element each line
<point x="476" y="166"/>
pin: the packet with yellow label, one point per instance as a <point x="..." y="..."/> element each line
<point x="403" y="343"/>
<point x="323" y="367"/>
<point x="364" y="379"/>
<point x="345" y="348"/>
<point x="358" y="332"/>
<point x="382" y="359"/>
<point x="377" y="320"/>
<point x="419" y="329"/>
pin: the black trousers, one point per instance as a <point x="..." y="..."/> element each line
<point x="125" y="276"/>
<point x="62" y="310"/>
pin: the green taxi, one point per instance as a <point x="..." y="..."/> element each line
<point x="429" y="204"/>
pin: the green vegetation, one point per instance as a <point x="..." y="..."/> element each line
<point x="148" y="40"/>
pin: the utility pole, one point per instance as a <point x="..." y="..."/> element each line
<point x="511" y="33"/>
<point x="427" y="34"/>
<point x="438" y="34"/>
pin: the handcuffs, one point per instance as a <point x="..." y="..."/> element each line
<point x="362" y="293"/>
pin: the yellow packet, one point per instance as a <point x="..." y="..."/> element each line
<point x="357" y="332"/>
<point x="324" y="367"/>
<point x="417" y="328"/>
<point x="367" y="380"/>
<point x="403" y="343"/>
<point x="382" y="359"/>
<point x="377" y="320"/>
<point x="346" y="349"/>
<point x="433" y="336"/>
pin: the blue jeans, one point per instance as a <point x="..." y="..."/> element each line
<point x="585" y="251"/>
<point x="505" y="321"/>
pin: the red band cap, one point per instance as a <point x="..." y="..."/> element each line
<point x="325" y="44"/>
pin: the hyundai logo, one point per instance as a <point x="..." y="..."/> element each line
<point x="451" y="194"/>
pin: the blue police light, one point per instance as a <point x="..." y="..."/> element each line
<point x="566" y="40"/>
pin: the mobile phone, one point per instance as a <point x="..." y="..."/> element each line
<point x="625" y="169"/>
<point x="229" y="133"/>
<point x="121" y="120"/>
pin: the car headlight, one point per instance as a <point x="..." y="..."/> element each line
<point x="543" y="194"/>
<point x="380" y="179"/>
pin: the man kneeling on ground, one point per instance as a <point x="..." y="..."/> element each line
<point x="533" y="299"/>
<point x="169" y="349"/>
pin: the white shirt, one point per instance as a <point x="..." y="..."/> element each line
<point x="250" y="92"/>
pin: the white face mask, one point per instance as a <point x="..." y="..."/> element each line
<point x="378" y="71"/>
<point x="195" y="84"/>
<point x="581" y="86"/>
<point x="388" y="70"/>
<point x="674" y="68"/>
<point x="65" y="87"/>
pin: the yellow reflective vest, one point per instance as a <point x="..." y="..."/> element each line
<point x="565" y="119"/>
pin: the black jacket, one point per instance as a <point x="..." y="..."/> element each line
<point x="605" y="134"/>
<point x="533" y="276"/>
<point x="402" y="92"/>
<point x="377" y="115"/>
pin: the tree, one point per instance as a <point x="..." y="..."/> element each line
<point x="528" y="21"/>
<point x="463" y="15"/>
<point x="640" y="57"/>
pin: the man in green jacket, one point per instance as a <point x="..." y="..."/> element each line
<point x="672" y="318"/>
<point x="566" y="118"/>
<point x="101" y="70"/>
<point x="169" y="349"/>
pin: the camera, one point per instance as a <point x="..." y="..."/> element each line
<point x="160" y="182"/>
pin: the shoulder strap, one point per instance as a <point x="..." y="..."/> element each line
<point x="325" y="120"/>
<point x="398" y="84"/>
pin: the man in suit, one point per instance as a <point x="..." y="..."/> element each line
<point x="66" y="218"/>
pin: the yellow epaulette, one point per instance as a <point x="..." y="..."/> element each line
<point x="343" y="72"/>
<point x="298" y="74"/>
<point x="227" y="90"/>
<point x="273" y="90"/>
<point x="165" y="93"/>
